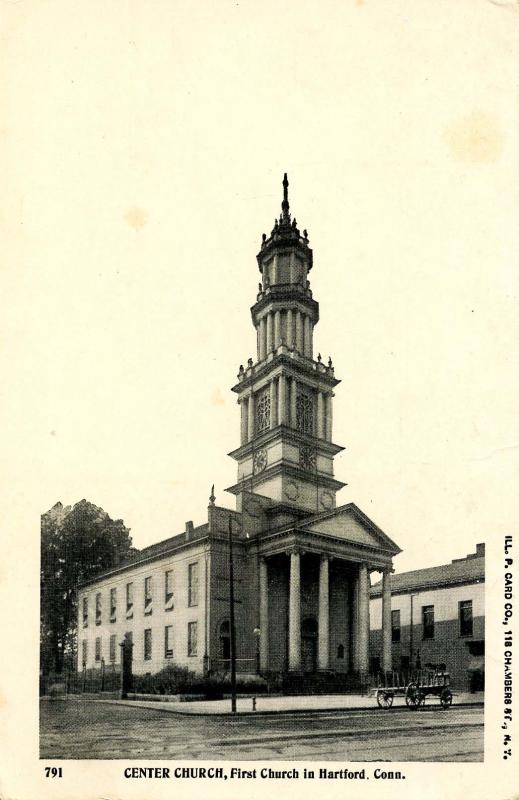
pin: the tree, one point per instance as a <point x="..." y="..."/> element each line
<point x="76" y="543"/>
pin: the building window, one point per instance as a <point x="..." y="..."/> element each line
<point x="98" y="648"/>
<point x="192" y="638"/>
<point x="85" y="612"/>
<point x="168" y="641"/>
<point x="263" y="411"/>
<point x="395" y="626"/>
<point x="304" y="413"/>
<point x="98" y="608"/>
<point x="465" y="617"/>
<point x="84" y="652"/>
<point x="129" y="600"/>
<point x="340" y="651"/>
<point x="427" y="622"/>
<point x="112" y="647"/>
<point x="192" y="585"/>
<point x="168" y="589"/>
<point x="147" y="644"/>
<point x="113" y="605"/>
<point x="148" y="600"/>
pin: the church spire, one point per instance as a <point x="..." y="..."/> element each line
<point x="285" y="205"/>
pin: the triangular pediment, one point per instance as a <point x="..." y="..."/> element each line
<point x="349" y="523"/>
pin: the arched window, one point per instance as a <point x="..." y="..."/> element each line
<point x="340" y="651"/>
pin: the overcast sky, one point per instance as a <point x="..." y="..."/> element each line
<point x="145" y="154"/>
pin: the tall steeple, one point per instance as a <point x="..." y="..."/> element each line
<point x="286" y="450"/>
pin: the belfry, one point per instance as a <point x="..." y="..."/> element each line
<point x="302" y="563"/>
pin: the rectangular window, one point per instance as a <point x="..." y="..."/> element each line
<point x="84" y="652"/>
<point x="427" y="622"/>
<point x="465" y="617"/>
<point x="395" y="626"/>
<point x="168" y="641"/>
<point x="192" y="585"/>
<point x="98" y="648"/>
<point x="98" y="608"/>
<point x="147" y="644"/>
<point x="129" y="600"/>
<point x="112" y="647"/>
<point x="168" y="589"/>
<point x="113" y="605"/>
<point x="85" y="612"/>
<point x="148" y="600"/>
<point x="192" y="638"/>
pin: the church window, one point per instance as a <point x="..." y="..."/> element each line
<point x="85" y="612"/>
<point x="168" y="641"/>
<point x="98" y="648"/>
<point x="192" y="585"/>
<point x="98" y="608"/>
<point x="263" y="411"/>
<point x="304" y="413"/>
<point x="112" y="647"/>
<point x="192" y="638"/>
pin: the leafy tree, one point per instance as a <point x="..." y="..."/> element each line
<point x="76" y="543"/>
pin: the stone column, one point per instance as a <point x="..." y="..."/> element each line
<point x="324" y="615"/>
<point x="269" y="332"/>
<point x="244" y="421"/>
<point x="320" y="415"/>
<point x="290" y="328"/>
<point x="387" y="657"/>
<point x="329" y="417"/>
<point x="293" y="402"/>
<point x="263" y="339"/>
<point x="363" y="633"/>
<point x="294" y="613"/>
<point x="299" y="332"/>
<point x="263" y="615"/>
<point x="282" y="400"/>
<point x="355" y="624"/>
<point x="273" y="404"/>
<point x="250" y="416"/>
<point x="277" y="329"/>
<point x="307" y="346"/>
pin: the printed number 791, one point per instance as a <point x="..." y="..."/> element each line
<point x="53" y="772"/>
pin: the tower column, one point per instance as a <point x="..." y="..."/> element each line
<point x="277" y="329"/>
<point x="329" y="417"/>
<point x="294" y="613"/>
<point x="387" y="659"/>
<point x="293" y="402"/>
<point x="307" y="345"/>
<point x="363" y="632"/>
<point x="320" y="415"/>
<point x="262" y="339"/>
<point x="244" y="421"/>
<point x="269" y="332"/>
<point x="250" y="418"/>
<point x="299" y="332"/>
<point x="273" y="404"/>
<point x="263" y="614"/>
<point x="324" y="615"/>
<point x="290" y="329"/>
<point x="282" y="400"/>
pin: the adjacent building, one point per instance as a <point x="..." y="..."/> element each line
<point x="437" y="616"/>
<point x="302" y="563"/>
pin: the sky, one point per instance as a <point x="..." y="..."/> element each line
<point x="143" y="159"/>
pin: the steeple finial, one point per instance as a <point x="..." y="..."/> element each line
<point x="285" y="205"/>
<point x="212" y="497"/>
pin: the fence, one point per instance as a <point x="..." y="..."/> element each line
<point x="105" y="678"/>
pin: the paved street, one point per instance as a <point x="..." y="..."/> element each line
<point x="86" y="730"/>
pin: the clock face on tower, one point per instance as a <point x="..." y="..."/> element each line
<point x="259" y="461"/>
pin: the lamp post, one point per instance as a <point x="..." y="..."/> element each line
<point x="257" y="634"/>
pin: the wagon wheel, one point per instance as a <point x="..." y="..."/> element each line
<point x="414" y="697"/>
<point x="446" y="698"/>
<point x="384" y="699"/>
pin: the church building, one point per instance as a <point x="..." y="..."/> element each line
<point x="302" y="563"/>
